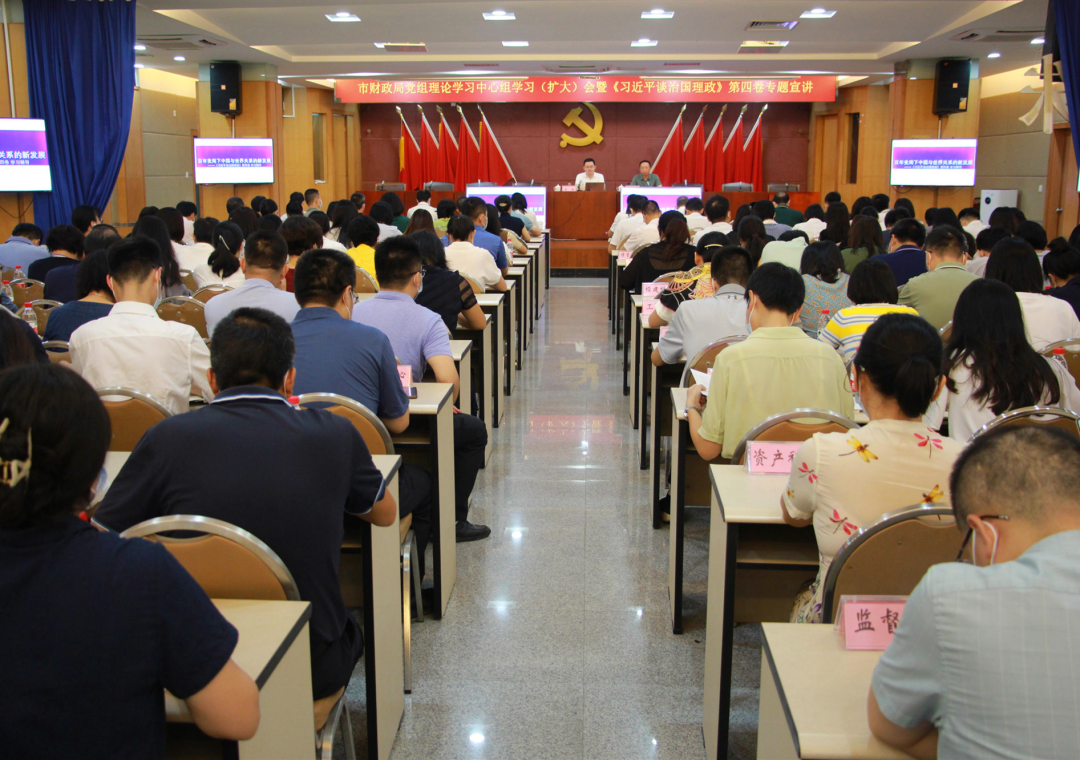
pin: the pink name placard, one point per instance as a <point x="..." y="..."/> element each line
<point x="626" y="255"/>
<point x="770" y="457"/>
<point x="653" y="289"/>
<point x="869" y="623"/>
<point x="648" y="306"/>
<point x="405" y="373"/>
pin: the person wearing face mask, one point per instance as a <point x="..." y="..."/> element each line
<point x="776" y="369"/>
<point x="897" y="373"/>
<point x="981" y="664"/>
<point x="135" y="348"/>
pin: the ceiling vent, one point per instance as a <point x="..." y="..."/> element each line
<point x="997" y="35"/>
<point x="755" y="26"/>
<point x="405" y="47"/>
<point x="481" y="65"/>
<point x="582" y="68"/>
<point x="760" y="47"/>
<point x="180" y="41"/>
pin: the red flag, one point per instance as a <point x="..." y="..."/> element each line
<point x="448" y="151"/>
<point x="468" y="161"/>
<point x="714" y="156"/>
<point x="429" y="153"/>
<point x="752" y="156"/>
<point x="668" y="165"/>
<point x="733" y="153"/>
<point x="694" y="152"/>
<point x="408" y="158"/>
<point x="493" y="164"/>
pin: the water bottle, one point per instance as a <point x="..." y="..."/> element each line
<point x="19" y="273"/>
<point x="825" y="315"/>
<point x="6" y="290"/>
<point x="29" y="316"/>
<point x="1059" y="357"/>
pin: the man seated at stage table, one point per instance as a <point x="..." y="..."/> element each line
<point x="982" y="661"/>
<point x="785" y="214"/>
<point x="648" y="232"/>
<point x="690" y="285"/>
<point x="776" y="369"/>
<point x="589" y="175"/>
<point x="465" y="257"/>
<point x="695" y="215"/>
<point x="645" y="177"/>
<point x="476" y="209"/>
<point x="718" y="212"/>
<point x="703" y="321"/>
<point x="622" y="228"/>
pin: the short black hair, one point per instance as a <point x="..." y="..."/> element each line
<point x="872" y="281"/>
<point x="65" y="237"/>
<point x="364" y="230"/>
<point x="695" y="204"/>
<point x="814" y="211"/>
<point x="245" y="218"/>
<point x="1033" y="233"/>
<point x="269" y="206"/>
<point x="991" y="236"/>
<point x="650" y="208"/>
<point x="717" y="208"/>
<point x="901" y="354"/>
<point x="894" y="215"/>
<point x="252" y="347"/>
<point x="28" y="231"/>
<point x="787" y="237"/>
<point x="909" y="231"/>
<point x="778" y="287"/>
<point x="91" y="275"/>
<point x="322" y="275"/>
<point x="1062" y="260"/>
<point x="187" y="208"/>
<point x="134" y="259"/>
<point x="445" y="209"/>
<point x="266" y="250"/>
<point x="83" y="216"/>
<point x="310" y="195"/>
<point x="587" y="160"/>
<point x="833" y="197"/>
<point x="148" y="211"/>
<point x="731" y="265"/>
<point x="320" y="218"/>
<point x="204" y="229"/>
<point x="644" y="161"/>
<point x="232" y="204"/>
<point x="396" y="260"/>
<point x="381" y="212"/>
<point x="100" y="238"/>
<point x="393" y="200"/>
<point x="474" y="207"/>
<point x="460" y="227"/>
<point x="358" y="200"/>
<point x="295" y="197"/>
<point x="257" y="202"/>
<point x="1015" y="263"/>
<point x="968" y="212"/>
<point x="635" y="202"/>
<point x="269" y="223"/>
<point x="301" y="234"/>
<point x="880" y="202"/>
<point x="946" y="241"/>
<point x="764" y="209"/>
<point x="423" y="195"/>
<point x="294" y="208"/>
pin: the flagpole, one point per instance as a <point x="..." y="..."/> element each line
<point x="670" y="134"/>
<point x="405" y="126"/>
<point x="467" y="127"/>
<point x="498" y="147"/>
<point x="423" y="118"/>
<point x="443" y="122"/>
<point x="756" y="125"/>
<point x="700" y="119"/>
<point x="736" y="126"/>
<point x="719" y="120"/>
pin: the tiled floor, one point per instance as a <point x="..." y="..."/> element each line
<point x="557" y="641"/>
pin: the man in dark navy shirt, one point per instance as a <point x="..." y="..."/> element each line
<point x="284" y="474"/>
<point x="906" y="257"/>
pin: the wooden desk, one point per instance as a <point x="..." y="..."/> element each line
<point x="528" y="318"/>
<point x="483" y="369"/>
<point x="662" y="380"/>
<point x="520" y="295"/>
<point x="633" y="314"/>
<point x="813" y="696"/>
<point x="429" y="441"/>
<point x="506" y="304"/>
<point x="753" y="502"/>
<point x="462" y="353"/>
<point x="643" y="366"/>
<point x="582" y="215"/>
<point x="495" y="305"/>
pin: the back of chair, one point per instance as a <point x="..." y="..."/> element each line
<point x="188" y="278"/>
<point x="41" y="308"/>
<point x="7" y="273"/>
<point x="27" y="290"/>
<point x="58" y="351"/>
<point x="226" y="561"/>
<point x="131" y="417"/>
<point x="891" y="556"/>
<point x="666" y="278"/>
<point x="477" y="288"/>
<point x="1051" y="416"/>
<point x="186" y="310"/>
<point x="945" y="332"/>
<point x="706" y="358"/>
<point x="1071" y="356"/>
<point x="205" y="294"/>
<point x="365" y="283"/>
<point x="788" y="426"/>
<point x="370" y="427"/>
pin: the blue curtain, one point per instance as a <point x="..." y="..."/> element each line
<point x="81" y="68"/>
<point x="1067" y="19"/>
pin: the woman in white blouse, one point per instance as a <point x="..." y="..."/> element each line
<point x="223" y="267"/>
<point x="991" y="367"/>
<point x="841" y="482"/>
<point x="1047" y="319"/>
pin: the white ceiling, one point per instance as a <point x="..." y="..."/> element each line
<point x="865" y="36"/>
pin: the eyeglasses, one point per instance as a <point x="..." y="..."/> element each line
<point x="420" y="272"/>
<point x="967" y="538"/>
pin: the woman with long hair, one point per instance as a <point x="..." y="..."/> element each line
<point x="672" y="254"/>
<point x="741" y="213"/>
<point x="246" y="219"/>
<point x="753" y="237"/>
<point x="837" y="224"/>
<point x="340" y="217"/>
<point x="223" y="266"/>
<point x="862" y="205"/>
<point x="95" y="298"/>
<point x="822" y="268"/>
<point x="864" y="241"/>
<point x="445" y="292"/>
<point x="873" y="293"/>
<point x="511" y="242"/>
<point x="1046" y="319"/>
<point x="154" y="228"/>
<point x="990" y="365"/>
<point x="421" y="220"/>
<point x="397" y="206"/>
<point x="945" y="216"/>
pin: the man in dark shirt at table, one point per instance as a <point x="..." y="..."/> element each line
<point x="906" y="257"/>
<point x="61" y="283"/>
<point x="285" y="475"/>
<point x="65" y="244"/>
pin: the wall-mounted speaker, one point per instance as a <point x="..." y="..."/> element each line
<point x="951" y="79"/>
<point x="226" y="94"/>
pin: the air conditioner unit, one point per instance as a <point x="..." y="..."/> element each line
<point x="180" y="41"/>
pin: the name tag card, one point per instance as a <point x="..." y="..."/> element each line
<point x="770" y="457"/>
<point x="869" y="622"/>
<point x="405" y="373"/>
<point x="653" y="289"/>
<point x="626" y="255"/>
<point x="648" y="306"/>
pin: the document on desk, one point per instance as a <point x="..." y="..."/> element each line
<point x="702" y="378"/>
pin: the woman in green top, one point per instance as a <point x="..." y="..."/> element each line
<point x="864" y="241"/>
<point x="398" y="207"/>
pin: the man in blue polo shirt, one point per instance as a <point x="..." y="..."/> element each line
<point x="263" y="265"/>
<point x="906" y="257"/>
<point x="24" y="247"/>
<point x="285" y="475"/>
<point x="477" y="210"/>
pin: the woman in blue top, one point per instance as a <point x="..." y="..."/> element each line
<point x="95" y="299"/>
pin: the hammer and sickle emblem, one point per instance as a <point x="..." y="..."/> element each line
<point x="592" y="134"/>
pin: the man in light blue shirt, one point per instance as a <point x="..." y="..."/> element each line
<point x="984" y="662"/>
<point x="23" y="247"/>
<point x="477" y="210"/>
<point x="263" y="264"/>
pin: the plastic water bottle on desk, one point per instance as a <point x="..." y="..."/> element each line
<point x="29" y="316"/>
<point x="824" y="320"/>
<point x="6" y="290"/>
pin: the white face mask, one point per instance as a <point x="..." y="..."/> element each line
<point x="993" y="549"/>
<point x="749" y="316"/>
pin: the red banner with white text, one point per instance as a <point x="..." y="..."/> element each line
<point x="592" y="89"/>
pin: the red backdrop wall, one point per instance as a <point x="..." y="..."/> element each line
<point x="529" y="135"/>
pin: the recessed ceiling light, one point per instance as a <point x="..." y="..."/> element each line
<point x="342" y="17"/>
<point x="993" y="55"/>
<point x="765" y="43"/>
<point x="179" y="58"/>
<point x="499" y="16"/>
<point x="657" y="13"/>
<point x="140" y="47"/>
<point x="515" y="43"/>
<point x="342" y="14"/>
<point x="1038" y="41"/>
<point x="643" y="42"/>
<point x="817" y="13"/>
<point x="138" y="65"/>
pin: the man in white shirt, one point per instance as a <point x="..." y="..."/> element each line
<point x="969" y="220"/>
<point x="649" y="232"/>
<point x="133" y="347"/>
<point x="787" y="252"/>
<point x="312" y="201"/>
<point x="263" y="265"/>
<point x="189" y="211"/>
<point x="695" y="216"/>
<point x="718" y="212"/>
<point x="984" y="243"/>
<point x="589" y="175"/>
<point x="814" y="223"/>
<point x="191" y="256"/>
<point x="466" y="258"/>
<point x="633" y="220"/>
<point x="422" y="198"/>
<point x="680" y="204"/>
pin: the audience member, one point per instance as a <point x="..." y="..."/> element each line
<point x="1061" y="266"/>
<point x="19" y="344"/>
<point x="969" y="220"/>
<point x="246" y="219"/>
<point x="718" y="212"/>
<point x="897" y="375"/>
<point x="776" y="369"/>
<point x="814" y="224"/>
<point x="444" y="211"/>
<point x="906" y="257"/>
<point x="464" y="256"/>
<point x="422" y="198"/>
<point x="872" y="290"/>
<point x="446" y="292"/>
<point x="880" y="202"/>
<point x="863" y="206"/>
<point x="864" y="241"/>
<point x="268" y="207"/>
<point x="825" y="283"/>
<point x="65" y="244"/>
<point x="832" y="198"/>
<point x="155" y="229"/>
<point x="978" y="662"/>
<point x="766" y="211"/>
<point x="945" y="217"/>
<point x="133" y="347"/>
<point x="703" y="321"/>
<point x="84" y="218"/>
<point x="269" y="223"/>
<point x="294" y="208"/>
<point x="340" y="219"/>
<point x="688" y="285"/>
<point x="174" y="223"/>
<point x="147" y="211"/>
<point x="511" y="243"/>
<point x="95" y="298"/>
<point x="364" y="233"/>
<point x="787" y="250"/>
<point x="423" y="221"/>
<point x="752" y="237"/>
<point x="312" y="201"/>
<point x="1034" y="235"/>
<point x="1046" y="320"/>
<point x="695" y="215"/>
<point x="934" y="294"/>
<point x="256" y="203"/>
<point x="232" y="204"/>
<point x="189" y="212"/>
<point x="359" y="201"/>
<point x="928" y="217"/>
<point x="323" y="221"/>
<point x="300" y="235"/>
<point x="263" y="266"/>
<point x="519" y="207"/>
<point x="476" y="209"/>
<point x="648" y="232"/>
<point x="223" y="266"/>
<point x="837" y="224"/>
<point x="984" y="244"/>
<point x="1004" y="216"/>
<point x="61" y="283"/>
<point x="672" y="253"/>
<point x="785" y="214"/>
<point x="397" y="209"/>
<point x="188" y="257"/>
<point x="990" y="365"/>
<point x="624" y="228"/>
<point x="24" y="247"/>
<point x="146" y="622"/>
